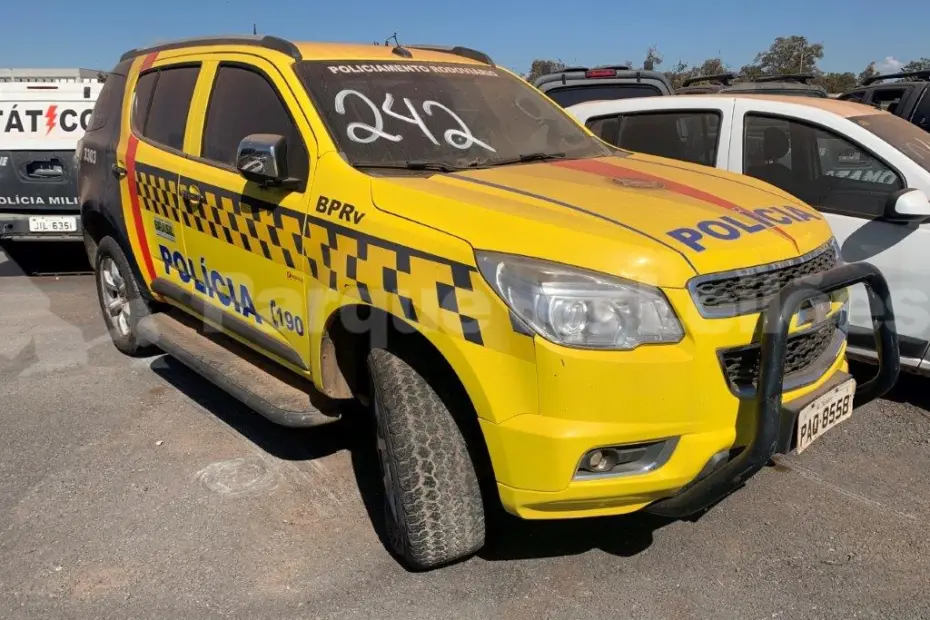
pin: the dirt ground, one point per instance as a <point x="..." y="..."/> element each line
<point x="134" y="489"/>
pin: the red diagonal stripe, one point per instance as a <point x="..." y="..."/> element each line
<point x="131" y="147"/>
<point x="620" y="172"/>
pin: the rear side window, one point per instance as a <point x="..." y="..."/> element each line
<point x="857" y="96"/>
<point x="567" y="96"/>
<point x="686" y="135"/>
<point x="108" y="102"/>
<point x="244" y="102"/>
<point x="888" y="98"/>
<point x="142" y="100"/>
<point x="169" y="103"/>
<point x="605" y="128"/>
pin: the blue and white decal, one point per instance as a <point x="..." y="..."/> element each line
<point x="732" y="227"/>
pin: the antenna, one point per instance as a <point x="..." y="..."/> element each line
<point x="393" y="36"/>
<point x="254" y="29"/>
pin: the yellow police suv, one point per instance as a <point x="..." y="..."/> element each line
<point x="535" y="319"/>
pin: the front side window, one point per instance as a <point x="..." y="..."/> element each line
<point x="684" y="135"/>
<point x="441" y="115"/>
<point x="244" y="102"/>
<point x="817" y="165"/>
<point x="169" y="104"/>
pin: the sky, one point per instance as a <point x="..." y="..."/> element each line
<point x="93" y="33"/>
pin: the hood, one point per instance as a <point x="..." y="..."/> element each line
<point x="635" y="216"/>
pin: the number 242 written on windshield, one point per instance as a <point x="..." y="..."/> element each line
<point x="459" y="138"/>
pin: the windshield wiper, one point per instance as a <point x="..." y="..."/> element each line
<point x="411" y="165"/>
<point x="520" y="159"/>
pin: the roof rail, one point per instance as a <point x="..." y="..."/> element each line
<point x="52" y="75"/>
<point x="266" y="41"/>
<point x="723" y="78"/>
<point x="802" y="78"/>
<point x="458" y="50"/>
<point x="922" y="74"/>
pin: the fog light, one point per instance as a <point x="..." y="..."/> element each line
<point x="600" y="460"/>
<point x="625" y="459"/>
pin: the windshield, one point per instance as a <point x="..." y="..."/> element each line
<point x="899" y="133"/>
<point x="567" y="96"/>
<point x="454" y="115"/>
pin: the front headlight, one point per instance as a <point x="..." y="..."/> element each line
<point x="579" y="308"/>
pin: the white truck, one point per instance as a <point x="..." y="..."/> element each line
<point x="43" y="115"/>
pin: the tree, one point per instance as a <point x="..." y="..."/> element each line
<point x="794" y="54"/>
<point x="678" y="74"/>
<point x="835" y="82"/>
<point x="653" y="59"/>
<point x="868" y="72"/>
<point x="750" y="71"/>
<point x="542" y="67"/>
<point x="916" y="65"/>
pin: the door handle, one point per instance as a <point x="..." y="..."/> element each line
<point x="118" y="170"/>
<point x="192" y="198"/>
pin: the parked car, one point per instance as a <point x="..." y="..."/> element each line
<point x="866" y="170"/>
<point x="782" y="84"/>
<point x="536" y="319"/>
<point x="43" y="114"/>
<point x="574" y="85"/>
<point x="908" y="97"/>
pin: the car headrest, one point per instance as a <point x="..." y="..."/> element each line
<point x="775" y="143"/>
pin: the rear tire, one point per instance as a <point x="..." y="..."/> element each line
<point x="120" y="299"/>
<point x="433" y="508"/>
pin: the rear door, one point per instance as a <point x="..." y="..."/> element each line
<point x="148" y="161"/>
<point x="98" y="184"/>
<point x="244" y="240"/>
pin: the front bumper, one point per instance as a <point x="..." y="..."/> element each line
<point x="675" y="392"/>
<point x="774" y="423"/>
<point x="15" y="227"/>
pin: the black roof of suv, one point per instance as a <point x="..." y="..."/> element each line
<point x="574" y="85"/>
<point x="797" y="84"/>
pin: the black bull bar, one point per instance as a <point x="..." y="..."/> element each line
<point x="772" y="432"/>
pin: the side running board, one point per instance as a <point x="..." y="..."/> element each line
<point x="266" y="387"/>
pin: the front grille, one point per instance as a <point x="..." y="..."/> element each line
<point x="741" y="365"/>
<point x="747" y="292"/>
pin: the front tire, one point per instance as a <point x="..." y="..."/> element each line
<point x="433" y="507"/>
<point x="120" y="299"/>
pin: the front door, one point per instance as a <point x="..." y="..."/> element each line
<point x="851" y="186"/>
<point x="244" y="241"/>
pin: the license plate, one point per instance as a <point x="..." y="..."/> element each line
<point x="824" y="413"/>
<point x="49" y="223"/>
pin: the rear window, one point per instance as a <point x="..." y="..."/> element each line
<point x="567" y="96"/>
<point x="108" y="101"/>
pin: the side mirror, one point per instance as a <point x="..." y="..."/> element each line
<point x="907" y="206"/>
<point x="262" y="158"/>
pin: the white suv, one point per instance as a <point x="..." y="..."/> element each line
<point x="867" y="170"/>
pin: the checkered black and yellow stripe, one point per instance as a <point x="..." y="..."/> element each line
<point x="424" y="288"/>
